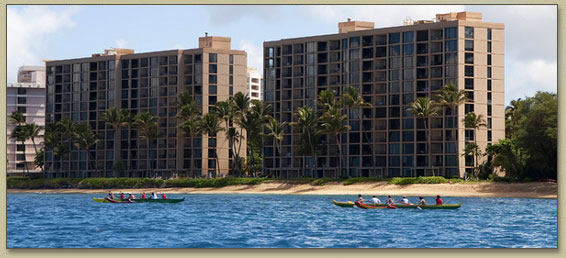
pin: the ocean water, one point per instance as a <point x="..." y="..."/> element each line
<point x="275" y="221"/>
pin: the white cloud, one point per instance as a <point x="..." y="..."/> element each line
<point x="255" y="53"/>
<point x="525" y="78"/>
<point x="121" y="43"/>
<point x="26" y="30"/>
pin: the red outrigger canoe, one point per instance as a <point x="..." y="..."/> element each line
<point x="364" y="206"/>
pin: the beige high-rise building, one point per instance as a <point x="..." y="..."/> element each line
<point x="255" y="82"/>
<point x="28" y="97"/>
<point x="391" y="67"/>
<point x="82" y="89"/>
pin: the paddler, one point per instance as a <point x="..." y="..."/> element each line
<point x="110" y="195"/>
<point x="143" y="196"/>
<point x="163" y="196"/>
<point x="122" y="196"/>
<point x="131" y="196"/>
<point x="438" y="200"/>
<point x="375" y="200"/>
<point x="389" y="200"/>
<point x="422" y="201"/>
<point x="153" y="196"/>
<point x="360" y="198"/>
<point x="405" y="200"/>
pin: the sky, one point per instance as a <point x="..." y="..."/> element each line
<point x="37" y="33"/>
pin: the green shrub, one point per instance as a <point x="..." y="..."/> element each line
<point x="417" y="180"/>
<point x="355" y="180"/>
<point x="53" y="183"/>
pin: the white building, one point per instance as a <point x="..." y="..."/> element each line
<point x="28" y="97"/>
<point x="255" y="81"/>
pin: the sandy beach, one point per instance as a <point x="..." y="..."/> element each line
<point x="516" y="190"/>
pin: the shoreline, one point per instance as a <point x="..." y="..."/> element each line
<point x="501" y="190"/>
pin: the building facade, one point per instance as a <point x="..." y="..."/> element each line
<point x="255" y="82"/>
<point x="28" y="97"/>
<point x="391" y="67"/>
<point x="82" y="89"/>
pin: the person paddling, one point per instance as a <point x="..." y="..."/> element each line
<point x="389" y="202"/>
<point x="404" y="201"/>
<point x="122" y="196"/>
<point x="143" y="196"/>
<point x="360" y="198"/>
<point x="110" y="195"/>
<point x="422" y="201"/>
<point x="163" y="196"/>
<point x="375" y="200"/>
<point x="153" y="196"/>
<point x="438" y="200"/>
<point x="131" y="196"/>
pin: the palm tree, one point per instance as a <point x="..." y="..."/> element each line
<point x="307" y="123"/>
<point x="117" y="119"/>
<point x="225" y="110"/>
<point x="241" y="104"/>
<point x="39" y="160"/>
<point x="146" y="123"/>
<point x="210" y="125"/>
<point x="254" y="123"/>
<point x="33" y="131"/>
<point x="334" y="122"/>
<point x="85" y="139"/>
<point x="52" y="141"/>
<point x="353" y="100"/>
<point x="471" y="120"/>
<point x="424" y="108"/>
<point x="451" y="98"/>
<point x="21" y="134"/>
<point x="189" y="115"/>
<point x="275" y="131"/>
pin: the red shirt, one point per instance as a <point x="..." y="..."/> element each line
<point x="163" y="196"/>
<point x="143" y="196"/>
<point x="122" y="196"/>
<point x="438" y="201"/>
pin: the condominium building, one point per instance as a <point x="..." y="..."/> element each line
<point x="255" y="82"/>
<point x="82" y="89"/>
<point x="28" y="97"/>
<point x="391" y="67"/>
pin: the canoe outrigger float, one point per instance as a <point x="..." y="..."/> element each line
<point x="108" y="200"/>
<point x="414" y="206"/>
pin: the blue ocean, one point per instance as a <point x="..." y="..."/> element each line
<point x="275" y="221"/>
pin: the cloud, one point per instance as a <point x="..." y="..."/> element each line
<point x="27" y="28"/>
<point x="525" y="78"/>
<point x="121" y="43"/>
<point x="255" y="53"/>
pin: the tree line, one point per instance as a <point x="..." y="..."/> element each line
<point x="529" y="149"/>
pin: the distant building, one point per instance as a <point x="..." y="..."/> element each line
<point x="391" y="67"/>
<point x="82" y="89"/>
<point x="255" y="84"/>
<point x="27" y="96"/>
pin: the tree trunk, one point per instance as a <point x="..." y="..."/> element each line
<point x="339" y="145"/>
<point x="148" y="168"/>
<point x="217" y="170"/>
<point x="25" y="159"/>
<point x="428" y="145"/>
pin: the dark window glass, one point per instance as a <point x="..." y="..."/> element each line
<point x="469" y="45"/>
<point x="212" y="58"/>
<point x="394" y="38"/>
<point x="408" y="49"/>
<point x="408" y="36"/>
<point x="451" y="32"/>
<point x="469" y="32"/>
<point x="469" y="83"/>
<point x="380" y="51"/>
<point x="469" y="71"/>
<point x="489" y="47"/>
<point x="422" y="35"/>
<point x="489" y="59"/>
<point x="469" y="58"/>
<point x="451" y="45"/>
<point x="488" y="34"/>
<point x="422" y="48"/>
<point x="354" y="42"/>
<point x="436" y="34"/>
<point x="380" y="39"/>
<point x="394" y="50"/>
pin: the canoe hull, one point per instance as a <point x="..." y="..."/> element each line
<point x="104" y="200"/>
<point x="444" y="206"/>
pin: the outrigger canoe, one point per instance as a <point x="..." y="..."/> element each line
<point x="108" y="200"/>
<point x="414" y="206"/>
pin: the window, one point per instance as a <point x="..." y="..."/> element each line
<point x="469" y="45"/>
<point x="422" y="35"/>
<point x="451" y="33"/>
<point x="469" y="58"/>
<point x="408" y="36"/>
<point x="408" y="49"/>
<point x="468" y="108"/>
<point x="22" y="91"/>
<point x="354" y="43"/>
<point x="380" y="51"/>
<point x="394" y="50"/>
<point x="489" y="110"/>
<point x="212" y="68"/>
<point x="422" y="48"/>
<point x="488" y="34"/>
<point x="212" y="89"/>
<point x="469" y="71"/>
<point x="489" y="72"/>
<point x="451" y="58"/>
<point x="469" y="83"/>
<point x="435" y="47"/>
<point x="22" y="100"/>
<point x="489" y="59"/>
<point x="489" y="121"/>
<point x="469" y="32"/>
<point x="22" y="109"/>
<point x="212" y="58"/>
<point x="380" y="39"/>
<point x="436" y="34"/>
<point x="488" y="84"/>
<point x="451" y="45"/>
<point x="489" y="47"/>
<point x="394" y="38"/>
<point x="212" y="79"/>
<point x="489" y="136"/>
